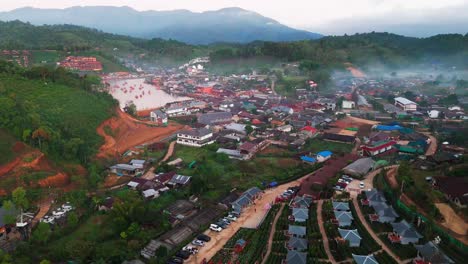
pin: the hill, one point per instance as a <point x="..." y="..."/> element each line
<point x="233" y="25"/>
<point x="53" y="110"/>
<point x="371" y="49"/>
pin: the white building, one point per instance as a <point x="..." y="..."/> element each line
<point x="348" y="104"/>
<point x="405" y="104"/>
<point x="177" y="111"/>
<point x="195" y="138"/>
<point x="159" y="117"/>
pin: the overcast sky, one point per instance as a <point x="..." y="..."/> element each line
<point x="324" y="16"/>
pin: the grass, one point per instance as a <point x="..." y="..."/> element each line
<point x="47" y="56"/>
<point x="222" y="174"/>
<point x="316" y="145"/>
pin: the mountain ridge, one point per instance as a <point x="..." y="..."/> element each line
<point x="232" y="24"/>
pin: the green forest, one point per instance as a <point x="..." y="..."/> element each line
<point x="387" y="49"/>
<point x="54" y="110"/>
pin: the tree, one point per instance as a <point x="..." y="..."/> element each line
<point x="72" y="219"/>
<point x="42" y="233"/>
<point x="161" y="252"/>
<point x="45" y="262"/>
<point x="19" y="198"/>
<point x="249" y="129"/>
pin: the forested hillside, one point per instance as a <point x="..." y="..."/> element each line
<point x="18" y="35"/>
<point x="360" y="49"/>
<point x="53" y="110"/>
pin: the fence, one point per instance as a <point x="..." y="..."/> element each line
<point x="411" y="214"/>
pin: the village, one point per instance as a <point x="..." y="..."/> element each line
<point x="254" y="176"/>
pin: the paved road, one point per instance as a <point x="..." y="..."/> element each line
<point x="372" y="233"/>
<point x="326" y="246"/>
<point x="250" y="218"/>
<point x="272" y="234"/>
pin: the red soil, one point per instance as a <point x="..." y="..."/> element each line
<point x="130" y="132"/>
<point x="356" y="72"/>
<point x="57" y="180"/>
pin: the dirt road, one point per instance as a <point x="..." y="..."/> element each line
<point x="373" y="234"/>
<point x="452" y="220"/>
<point x="128" y="132"/>
<point x="326" y="246"/>
<point x="272" y="234"/>
<point x="432" y="149"/>
<point x="251" y="217"/>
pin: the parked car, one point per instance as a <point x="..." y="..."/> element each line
<point x="225" y="220"/>
<point x="215" y="228"/>
<point x="346" y="177"/>
<point x="197" y="242"/>
<point x="221" y="224"/>
<point x="338" y="188"/>
<point x="192" y="250"/>
<point x="361" y="185"/>
<point x="203" y="237"/>
<point x="175" y="260"/>
<point x="183" y="254"/>
<point x="231" y="217"/>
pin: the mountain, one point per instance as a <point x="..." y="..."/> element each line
<point x="234" y="25"/>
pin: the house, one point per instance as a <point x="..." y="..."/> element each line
<point x="340" y="206"/>
<point x="297" y="231"/>
<point x="215" y="118"/>
<point x="324" y="155"/>
<point x="433" y="113"/>
<point x="300" y="214"/>
<point x="124" y="169"/>
<point x="177" y="110"/>
<point x="158" y="117"/>
<point x="240" y="128"/>
<point x="348" y="104"/>
<point x="296" y="243"/>
<point x="352" y="236"/>
<point x="310" y="129"/>
<point x="455" y="189"/>
<point x="374" y="196"/>
<point x="139" y="164"/>
<point x="195" y="138"/>
<point x="246" y="199"/>
<point x="344" y="218"/>
<point x="308" y="159"/>
<point x="430" y="253"/>
<point x="407" y="234"/>
<point x="179" y="180"/>
<point x="283" y="109"/>
<point x="339" y="137"/>
<point x="405" y="104"/>
<point x="232" y="153"/>
<point x="360" y="167"/>
<point x="301" y="202"/>
<point x="150" y="194"/>
<point x="295" y="257"/>
<point x="386" y="214"/>
<point x="377" y="148"/>
<point x="107" y="204"/>
<point x="285" y="128"/>
<point x="365" y="259"/>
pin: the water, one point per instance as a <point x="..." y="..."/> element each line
<point x="144" y="96"/>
